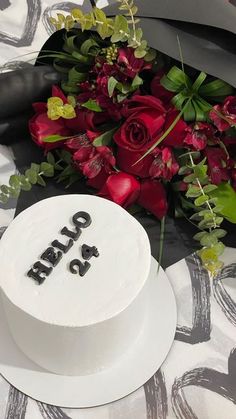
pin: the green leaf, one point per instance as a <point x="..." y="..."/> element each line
<point x="3" y="198"/>
<point x="137" y="81"/>
<point x="218" y="248"/>
<point x="41" y="181"/>
<point x="199" y="235"/>
<point x="226" y="197"/>
<point x="31" y="176"/>
<point x="105" y="138"/>
<point x="92" y="105"/>
<point x="26" y="186"/>
<point x="209" y="188"/>
<point x="112" y="83"/>
<point x="201" y="200"/>
<point x="76" y="76"/>
<point x="139" y="52"/>
<point x="150" y="55"/>
<point x="14" y="181"/>
<point x="4" y="189"/>
<point x="189" y="178"/>
<point x="53" y="138"/>
<point x="50" y="158"/>
<point x="90" y="46"/>
<point x="35" y="167"/>
<point x="47" y="169"/>
<point x="193" y="192"/>
<point x="208" y="240"/>
<point x="200" y="170"/>
<point x="219" y="233"/>
<point x="65" y="156"/>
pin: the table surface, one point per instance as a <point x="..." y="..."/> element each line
<point x="198" y="378"/>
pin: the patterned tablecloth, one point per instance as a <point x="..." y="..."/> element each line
<point x="198" y="378"/>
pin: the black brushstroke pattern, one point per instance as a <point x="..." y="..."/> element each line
<point x="201" y="316"/>
<point x="52" y="412"/>
<point x="208" y="378"/>
<point x="156" y="397"/>
<point x="4" y="4"/>
<point x="33" y="16"/>
<point x="15" y="65"/>
<point x="16" y="404"/>
<point x="227" y="304"/>
<point x="64" y="7"/>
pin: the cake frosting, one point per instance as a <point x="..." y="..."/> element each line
<point x="73" y="275"/>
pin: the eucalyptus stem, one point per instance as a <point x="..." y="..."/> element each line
<point x="203" y="193"/>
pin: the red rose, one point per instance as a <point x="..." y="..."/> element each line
<point x="121" y="188"/>
<point x="176" y="137"/>
<point x="159" y="91"/>
<point x="98" y="181"/>
<point x="153" y="197"/>
<point x="217" y="164"/>
<point x="228" y="109"/>
<point x="145" y="117"/>
<point x="40" y="127"/>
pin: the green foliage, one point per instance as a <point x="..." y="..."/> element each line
<point x="37" y="172"/>
<point x="105" y="138"/>
<point x="206" y="211"/>
<point x="122" y="28"/>
<point x="92" y="105"/>
<point x="194" y="93"/>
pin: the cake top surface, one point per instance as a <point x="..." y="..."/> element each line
<point x="104" y="235"/>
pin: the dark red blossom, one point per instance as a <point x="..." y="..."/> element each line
<point x="217" y="164"/>
<point x="129" y="64"/>
<point x="199" y="134"/>
<point x="228" y="110"/>
<point x="164" y="165"/>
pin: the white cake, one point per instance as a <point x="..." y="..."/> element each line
<point x="67" y="323"/>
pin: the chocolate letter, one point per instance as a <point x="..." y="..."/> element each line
<point x="73" y="235"/>
<point x="61" y="246"/>
<point x="83" y="267"/>
<point x="83" y="215"/>
<point x="89" y="251"/>
<point x="39" y="272"/>
<point x="51" y="256"/>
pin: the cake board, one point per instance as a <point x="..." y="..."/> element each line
<point x="131" y="372"/>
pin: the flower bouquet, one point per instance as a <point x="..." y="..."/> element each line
<point x="142" y="130"/>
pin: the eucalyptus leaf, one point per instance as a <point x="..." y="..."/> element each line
<point x="92" y="105"/>
<point x="105" y="138"/>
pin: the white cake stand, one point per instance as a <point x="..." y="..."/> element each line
<point x="132" y="371"/>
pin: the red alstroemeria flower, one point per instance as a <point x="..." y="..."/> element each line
<point x="153" y="197"/>
<point x="100" y="157"/>
<point x="217" y="164"/>
<point x="164" y="165"/>
<point x="199" y="134"/>
<point x="228" y="109"/>
<point x="121" y="188"/>
<point x="129" y="64"/>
